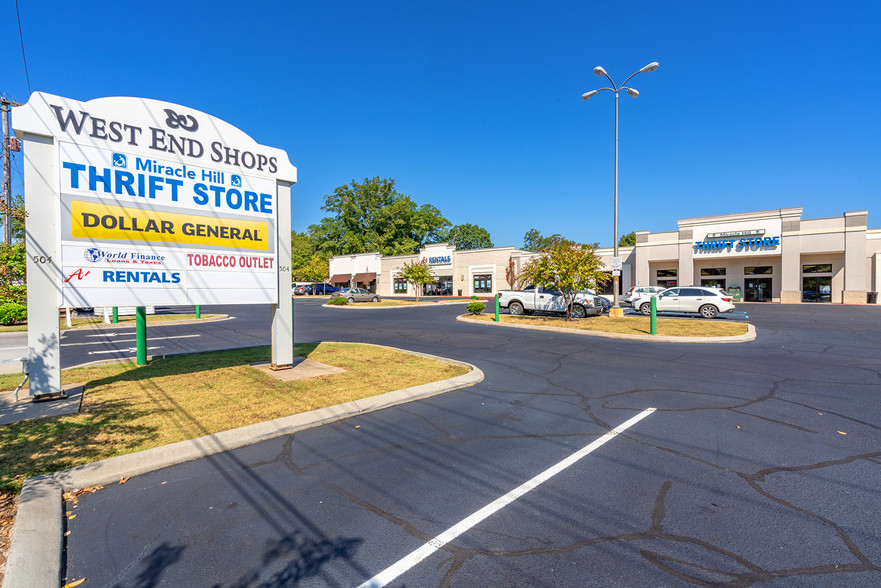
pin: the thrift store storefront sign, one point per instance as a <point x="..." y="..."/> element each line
<point x="743" y="242"/>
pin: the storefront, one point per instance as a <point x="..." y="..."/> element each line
<point x="763" y="256"/>
<point x="768" y="256"/>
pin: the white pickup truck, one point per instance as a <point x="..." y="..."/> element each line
<point x="545" y="300"/>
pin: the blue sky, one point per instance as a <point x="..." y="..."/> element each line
<point x="475" y="106"/>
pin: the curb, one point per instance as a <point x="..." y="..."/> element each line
<point x="35" y="550"/>
<point x="354" y="305"/>
<point x="750" y="334"/>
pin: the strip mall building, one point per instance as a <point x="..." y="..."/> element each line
<point x="769" y="255"/>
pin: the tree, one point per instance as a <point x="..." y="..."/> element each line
<point x="17" y="215"/>
<point x="13" y="263"/>
<point x="302" y="249"/>
<point x="417" y="273"/>
<point x="13" y="258"/>
<point x="315" y="269"/>
<point x="565" y="266"/>
<point x="307" y="265"/>
<point x="468" y="236"/>
<point x="374" y="216"/>
<point x="510" y="273"/>
<point x="627" y="240"/>
<point x="535" y="241"/>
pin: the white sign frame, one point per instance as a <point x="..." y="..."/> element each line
<point x="171" y="135"/>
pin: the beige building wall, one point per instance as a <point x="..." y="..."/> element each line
<point x="844" y="242"/>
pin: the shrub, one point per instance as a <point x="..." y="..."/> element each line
<point x="475" y="298"/>
<point x="338" y="301"/>
<point x="475" y="307"/>
<point x="11" y="313"/>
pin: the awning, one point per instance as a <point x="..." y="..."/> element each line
<point x="365" y="277"/>
<point x="340" y="278"/>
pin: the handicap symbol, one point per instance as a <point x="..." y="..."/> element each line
<point x="236" y="180"/>
<point x="119" y="160"/>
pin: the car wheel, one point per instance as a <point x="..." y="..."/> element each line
<point x="646" y="308"/>
<point x="375" y="299"/>
<point x="708" y="311"/>
<point x="515" y="308"/>
<point x="351" y="300"/>
<point x="577" y="311"/>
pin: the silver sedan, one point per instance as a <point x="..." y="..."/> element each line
<point x="358" y="295"/>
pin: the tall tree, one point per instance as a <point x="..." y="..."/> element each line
<point x="535" y="241"/>
<point x="627" y="240"/>
<point x="566" y="266"/>
<point x="302" y="249"/>
<point x="468" y="236"/>
<point x="313" y="270"/>
<point x="373" y="216"/>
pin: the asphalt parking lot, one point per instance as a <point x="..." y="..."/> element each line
<point x="759" y="465"/>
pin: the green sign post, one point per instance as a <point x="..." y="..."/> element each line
<point x="141" y="333"/>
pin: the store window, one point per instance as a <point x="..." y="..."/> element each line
<point x="442" y="286"/>
<point x="757" y="270"/>
<point x="816" y="288"/>
<point x="713" y="283"/>
<point x="817" y="268"/>
<point x="712" y="271"/>
<point x="400" y="286"/>
<point x="666" y="278"/>
<point x="483" y="284"/>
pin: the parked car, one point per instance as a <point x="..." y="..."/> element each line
<point x="604" y="302"/>
<point x="640" y="291"/>
<point x="323" y="289"/>
<point x="532" y="299"/>
<point x="358" y="295"/>
<point x="708" y="302"/>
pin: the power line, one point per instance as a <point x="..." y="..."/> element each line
<point x="23" y="58"/>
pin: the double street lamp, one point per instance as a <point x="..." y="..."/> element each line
<point x="616" y="310"/>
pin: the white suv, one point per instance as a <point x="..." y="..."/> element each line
<point x="640" y="291"/>
<point x="708" y="302"/>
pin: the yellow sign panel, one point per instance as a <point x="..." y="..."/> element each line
<point x="103" y="222"/>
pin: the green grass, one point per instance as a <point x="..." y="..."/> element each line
<point x="126" y="408"/>
<point x="632" y="325"/>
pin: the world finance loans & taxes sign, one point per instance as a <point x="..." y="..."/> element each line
<point x="135" y="202"/>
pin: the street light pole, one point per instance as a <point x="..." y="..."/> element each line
<point x="616" y="311"/>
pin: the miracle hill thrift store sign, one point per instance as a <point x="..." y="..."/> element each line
<point x="135" y="202"/>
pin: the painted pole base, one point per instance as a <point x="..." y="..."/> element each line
<point x="616" y="312"/>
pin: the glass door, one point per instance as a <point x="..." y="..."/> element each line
<point x="757" y="290"/>
<point x="817" y="289"/>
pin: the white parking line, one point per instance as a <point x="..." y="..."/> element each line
<point x="117" y="341"/>
<point x="409" y="561"/>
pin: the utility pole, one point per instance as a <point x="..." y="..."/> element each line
<point x="6" y="106"/>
